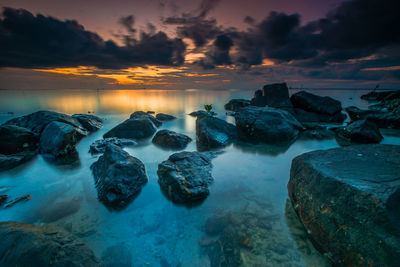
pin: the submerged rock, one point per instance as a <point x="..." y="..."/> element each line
<point x="146" y="115"/>
<point x="389" y="120"/>
<point x="24" y="244"/>
<point x="315" y="103"/>
<point x="348" y="200"/>
<point x="272" y="95"/>
<point x="99" y="146"/>
<point x="236" y="104"/>
<point x="361" y="131"/>
<point x="171" y="140"/>
<point x="165" y="117"/>
<point x="91" y="123"/>
<point x="185" y="176"/>
<point x="119" y="177"/>
<point x="137" y="128"/>
<point x="267" y="125"/>
<point x="214" y="133"/>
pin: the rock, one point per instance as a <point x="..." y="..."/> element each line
<point x="117" y="255"/>
<point x="361" y="131"/>
<point x="171" y="140"/>
<point x="3" y="199"/>
<point x="18" y="200"/>
<point x="202" y="113"/>
<point x="37" y="121"/>
<point x="376" y="95"/>
<point x="272" y="95"/>
<point x="185" y="176"/>
<point x="315" y="103"/>
<point x="137" y="128"/>
<point x="212" y="133"/>
<point x="99" y="146"/>
<point x="24" y="244"/>
<point x="267" y="125"/>
<point x="164" y="117"/>
<point x="119" y="177"/>
<point x="90" y="122"/>
<point x="236" y="104"/>
<point x="150" y="112"/>
<point x="348" y="200"/>
<point x="307" y="116"/>
<point x="58" y="140"/>
<point x="142" y="114"/>
<point x="381" y="119"/>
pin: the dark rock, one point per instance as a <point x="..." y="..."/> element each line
<point x="90" y="122"/>
<point x="319" y="134"/>
<point x="214" y="133"/>
<point x="142" y="114"/>
<point x="24" y="244"/>
<point x="171" y="140"/>
<point x="389" y="120"/>
<point x="376" y="95"/>
<point x="185" y="176"/>
<point x="348" y="200"/>
<point x="18" y="200"/>
<point x="361" y="131"/>
<point x="150" y="112"/>
<point x="267" y="125"/>
<point x="3" y="199"/>
<point x="202" y="113"/>
<point x="11" y="161"/>
<point x="58" y="140"/>
<point x="99" y="146"/>
<point x="272" y="95"/>
<point x="307" y="116"/>
<point x="315" y="103"/>
<point x="119" y="177"/>
<point x="236" y="104"/>
<point x="137" y="128"/>
<point x="165" y="117"/>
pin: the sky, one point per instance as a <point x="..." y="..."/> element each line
<point x="203" y="44"/>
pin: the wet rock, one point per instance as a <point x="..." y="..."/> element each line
<point x="376" y="95"/>
<point x="272" y="95"/>
<point x="146" y="115"/>
<point x="389" y="120"/>
<point x="315" y="103"/>
<point x="361" y="131"/>
<point x="348" y="199"/>
<point x="24" y="244"/>
<point x="91" y="123"/>
<point x="171" y="140"/>
<point x="165" y="117"/>
<point x="13" y="202"/>
<point x="212" y="133"/>
<point x="3" y="199"/>
<point x="307" y="116"/>
<point x="58" y="140"/>
<point x="236" y="104"/>
<point x="119" y="177"/>
<point x="137" y="128"/>
<point x="99" y="146"/>
<point x="267" y="125"/>
<point x="185" y="176"/>
<point x="200" y="113"/>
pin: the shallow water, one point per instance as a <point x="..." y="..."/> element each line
<point x="248" y="197"/>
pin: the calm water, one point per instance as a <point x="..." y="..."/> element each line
<point x="249" y="187"/>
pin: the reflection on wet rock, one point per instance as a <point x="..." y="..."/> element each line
<point x="99" y="146"/>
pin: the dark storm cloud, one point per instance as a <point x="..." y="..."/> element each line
<point x="30" y="41"/>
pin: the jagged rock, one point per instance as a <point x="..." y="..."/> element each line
<point x="91" y="123"/>
<point x="119" y="177"/>
<point x="236" y="104"/>
<point x="267" y="125"/>
<point x="348" y="200"/>
<point x="164" y="117"/>
<point x="376" y="95"/>
<point x="202" y="113"/>
<point x="24" y="244"/>
<point x="185" y="176"/>
<point x="136" y="128"/>
<point x="99" y="146"/>
<point x="381" y="119"/>
<point x="142" y="114"/>
<point x="171" y="140"/>
<point x="361" y="131"/>
<point x="214" y="133"/>
<point x="315" y="103"/>
<point x="272" y="95"/>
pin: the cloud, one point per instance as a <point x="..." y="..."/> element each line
<point x="38" y="41"/>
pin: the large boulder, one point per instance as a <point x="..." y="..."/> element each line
<point x="389" y="120"/>
<point x="212" y="133"/>
<point x="145" y="115"/>
<point x="308" y="116"/>
<point x="91" y="123"/>
<point x="165" y="117"/>
<point x="348" y="200"/>
<point x="171" y="140"/>
<point x="119" y="177"/>
<point x="267" y="125"/>
<point x="272" y="95"/>
<point x="236" y="104"/>
<point x="185" y="176"/>
<point x="58" y="140"/>
<point x="315" y="103"/>
<point x="24" y="244"/>
<point x="99" y="146"/>
<point x="136" y="128"/>
<point x="361" y="131"/>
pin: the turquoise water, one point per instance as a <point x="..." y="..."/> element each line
<point x="248" y="197"/>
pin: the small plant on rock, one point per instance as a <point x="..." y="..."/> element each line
<point x="208" y="108"/>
